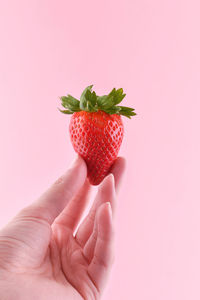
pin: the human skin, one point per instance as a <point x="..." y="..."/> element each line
<point x="40" y="255"/>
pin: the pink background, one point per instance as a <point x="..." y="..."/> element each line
<point x="152" y="50"/>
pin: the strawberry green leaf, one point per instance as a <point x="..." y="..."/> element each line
<point x="117" y="95"/>
<point x="112" y="110"/>
<point x="70" y="103"/>
<point x="73" y="109"/>
<point x="70" y="100"/>
<point x="128" y="115"/>
<point x="105" y="102"/>
<point x="68" y="112"/>
<point x="90" y="107"/>
<point x="126" y="111"/>
<point x="83" y="99"/>
<point x="90" y="102"/>
<point x="91" y="97"/>
<point x="125" y="108"/>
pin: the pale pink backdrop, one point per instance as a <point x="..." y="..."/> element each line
<point x="152" y="50"/>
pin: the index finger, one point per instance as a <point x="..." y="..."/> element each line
<point x="54" y="200"/>
<point x="117" y="170"/>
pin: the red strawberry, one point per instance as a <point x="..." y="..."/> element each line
<point x="96" y="129"/>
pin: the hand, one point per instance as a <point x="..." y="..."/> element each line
<point x="42" y="258"/>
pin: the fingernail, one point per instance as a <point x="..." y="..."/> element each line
<point x="109" y="208"/>
<point x="109" y="177"/>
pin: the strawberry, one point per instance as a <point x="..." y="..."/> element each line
<point x="96" y="129"/>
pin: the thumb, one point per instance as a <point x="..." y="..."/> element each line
<point x="55" y="199"/>
<point x="29" y="232"/>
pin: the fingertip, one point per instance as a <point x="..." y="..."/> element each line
<point x="105" y="207"/>
<point x="78" y="167"/>
<point x="122" y="162"/>
<point x="111" y="179"/>
<point x="104" y="214"/>
<point x="104" y="221"/>
<point x="108" y="209"/>
<point x="106" y="193"/>
<point x="108" y="182"/>
<point x="118" y="170"/>
<point x="106" y="190"/>
<point x="119" y="165"/>
<point x="78" y="160"/>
